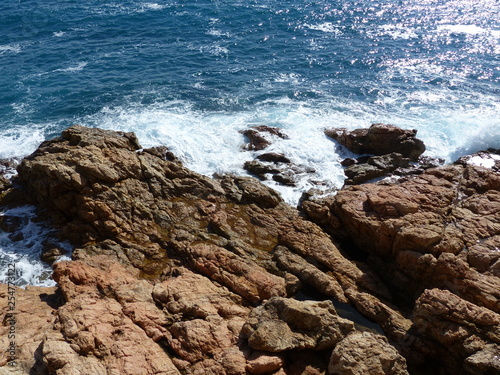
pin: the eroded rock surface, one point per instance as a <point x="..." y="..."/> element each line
<point x="173" y="262"/>
<point x="175" y="272"/>
<point x="434" y="239"/>
<point x="283" y="324"/>
<point x="366" y="353"/>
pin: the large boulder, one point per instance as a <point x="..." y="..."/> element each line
<point x="366" y="353"/>
<point x="283" y="324"/>
<point x="379" y="139"/>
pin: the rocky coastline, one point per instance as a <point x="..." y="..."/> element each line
<point x="178" y="273"/>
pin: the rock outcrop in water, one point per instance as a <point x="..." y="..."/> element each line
<point x="175" y="272"/>
<point x="392" y="148"/>
<point x="380" y="139"/>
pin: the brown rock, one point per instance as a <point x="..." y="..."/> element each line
<point x="366" y="353"/>
<point x="261" y="136"/>
<point x="170" y="260"/>
<point x="376" y="166"/>
<point x="470" y="334"/>
<point x="263" y="363"/>
<point x="244" y="278"/>
<point x="273" y="157"/>
<point x="28" y="318"/>
<point x="260" y="169"/>
<point x="309" y="273"/>
<point x="436" y="230"/>
<point x="380" y="139"/>
<point x="99" y="329"/>
<point x="209" y="323"/>
<point x="282" y="324"/>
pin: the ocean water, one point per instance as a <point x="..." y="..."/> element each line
<point x="191" y="74"/>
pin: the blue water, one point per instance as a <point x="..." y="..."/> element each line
<point x="190" y="74"/>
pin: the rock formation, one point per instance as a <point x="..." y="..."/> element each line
<point x="260" y="137"/>
<point x="175" y="272"/>
<point x="433" y="239"/>
<point x="393" y="148"/>
<point x="380" y="139"/>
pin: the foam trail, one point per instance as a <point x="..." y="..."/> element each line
<point x="22" y="248"/>
<point x="20" y="141"/>
<point x="212" y="143"/>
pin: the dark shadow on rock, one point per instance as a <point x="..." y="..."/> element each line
<point x="55" y="300"/>
<point x="40" y="367"/>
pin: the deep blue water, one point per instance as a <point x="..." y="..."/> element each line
<point x="190" y="74"/>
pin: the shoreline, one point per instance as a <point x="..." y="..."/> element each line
<point x="228" y="257"/>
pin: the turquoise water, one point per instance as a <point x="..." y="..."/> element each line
<point x="190" y="75"/>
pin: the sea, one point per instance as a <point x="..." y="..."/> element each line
<point x="191" y="75"/>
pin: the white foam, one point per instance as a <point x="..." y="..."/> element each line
<point x="397" y="31"/>
<point x="20" y="141"/>
<point x="464" y="29"/>
<point x="326" y="27"/>
<point x="76" y="68"/>
<point x="216" y="32"/>
<point x="292" y="78"/>
<point x="154" y="6"/>
<point x="24" y="254"/>
<point x="58" y="34"/>
<point x="486" y="161"/>
<point x="13" y="48"/>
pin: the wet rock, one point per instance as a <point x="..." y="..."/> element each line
<point x="261" y="136"/>
<point x="12" y="223"/>
<point x="277" y="165"/>
<point x="379" y="139"/>
<point x="348" y="162"/>
<point x="162" y="152"/>
<point x="287" y="178"/>
<point x="7" y="171"/>
<point x="4" y="184"/>
<point x="273" y="157"/>
<point x="260" y="169"/>
<point x="375" y="166"/>
<point x="50" y="255"/>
